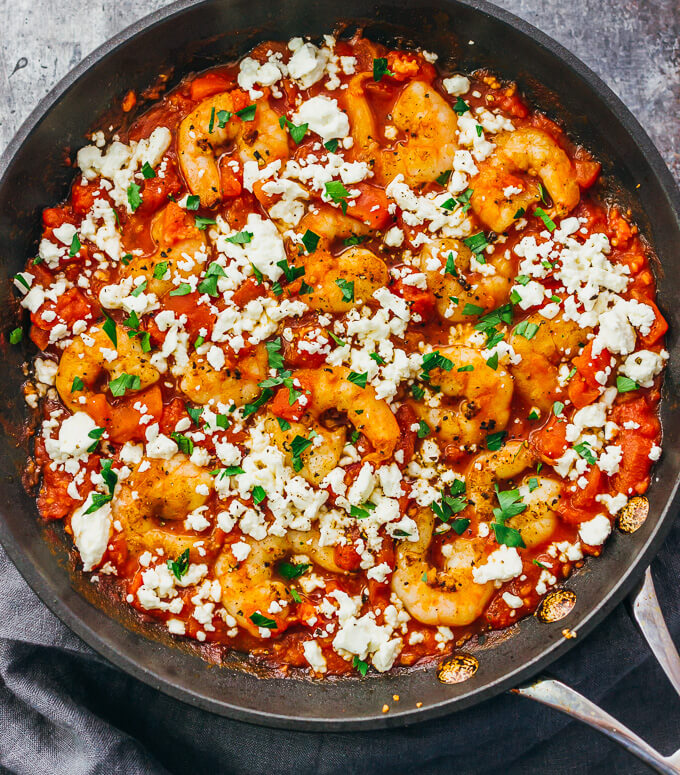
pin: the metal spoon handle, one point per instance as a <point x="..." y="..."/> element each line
<point x="555" y="694"/>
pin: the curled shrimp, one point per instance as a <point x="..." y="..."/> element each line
<point x="156" y="492"/>
<point x="555" y="341"/>
<point x="446" y="597"/>
<point x="85" y="360"/>
<point x="540" y="494"/>
<point x="203" y="132"/>
<point x="341" y="282"/>
<point x="330" y="276"/>
<point x="180" y="246"/>
<point x="485" y="393"/>
<point x="248" y="586"/>
<point x="455" y="291"/>
<point x="331" y="390"/>
<point x="237" y="382"/>
<point x="317" y="461"/>
<point x="499" y="193"/>
<point x="430" y="126"/>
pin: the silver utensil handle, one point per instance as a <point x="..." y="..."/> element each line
<point x="647" y="612"/>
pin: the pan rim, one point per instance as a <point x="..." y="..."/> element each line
<point x="40" y="583"/>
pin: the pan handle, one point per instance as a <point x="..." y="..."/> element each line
<point x="647" y="612"/>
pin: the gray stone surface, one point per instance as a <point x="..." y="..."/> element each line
<point x="634" y="45"/>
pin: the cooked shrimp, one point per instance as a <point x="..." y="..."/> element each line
<point x="200" y="135"/>
<point x="485" y="393"/>
<point x="179" y="245"/>
<point x="495" y="199"/>
<point x="237" y="382"/>
<point x="248" y="588"/>
<point x="318" y="460"/>
<point x="341" y="282"/>
<point x="446" y="597"/>
<point x="309" y="543"/>
<point x="84" y="359"/>
<point x="455" y="291"/>
<point x="536" y="376"/>
<point x="540" y="494"/>
<point x="331" y="389"/>
<point x="160" y="491"/>
<point x="430" y="125"/>
<point x="330" y="224"/>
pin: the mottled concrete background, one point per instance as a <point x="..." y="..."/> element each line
<point x="634" y="45"/>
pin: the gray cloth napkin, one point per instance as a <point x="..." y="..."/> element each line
<point x="65" y="710"/>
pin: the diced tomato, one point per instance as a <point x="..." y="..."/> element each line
<point x="248" y="291"/>
<point x="619" y="229"/>
<point x="579" y="506"/>
<point x="508" y="100"/>
<point x="659" y="326"/>
<point x="156" y="191"/>
<point x="117" y="550"/>
<point x="54" y="502"/>
<point x="231" y="181"/>
<point x="580" y="394"/>
<point x="298" y="358"/>
<point x="178" y="225"/>
<point x="421" y="300"/>
<point x="638" y="411"/>
<point x="406" y="417"/>
<point x="633" y="475"/>
<point x="70" y="306"/>
<point x="209" y="84"/>
<point x="172" y="414"/>
<point x="281" y="406"/>
<point x="39" y="337"/>
<point x="198" y="315"/>
<point x="347" y="557"/>
<point x="587" y="169"/>
<point x="588" y="365"/>
<point x="550" y="442"/>
<point x="370" y="206"/>
<point x="124" y="425"/>
<point x="406" y="65"/>
<point x="82" y="197"/>
<point x="56" y="216"/>
<point x="129" y="101"/>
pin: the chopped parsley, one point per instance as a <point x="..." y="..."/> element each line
<point x="262" y="621"/>
<point x="461" y="106"/>
<point x="240" y="238"/>
<point x="133" y="196"/>
<point x="77" y="384"/>
<point x="296" y="132"/>
<point x="124" y="382"/>
<point x="75" y="247"/>
<point x="193" y="202"/>
<point x="347" y="288"/>
<point x="477" y="242"/>
<point x="626" y="384"/>
<point x="331" y="145"/>
<point x="16" y="336"/>
<point x="423" y="429"/>
<point x="360" y="665"/>
<point x="337" y="193"/>
<point x="185" y="444"/>
<point x="494" y="441"/>
<point x="202" y="223"/>
<point x="380" y="69"/>
<point x="291" y="571"/>
<point x="160" y="270"/>
<point x="109" y="328"/>
<point x="310" y="241"/>
<point x="358" y="379"/>
<point x="452" y="503"/>
<point x="583" y="449"/>
<point x="298" y="446"/>
<point x="180" y="566"/>
<point x="148" y="171"/>
<point x="547" y="221"/>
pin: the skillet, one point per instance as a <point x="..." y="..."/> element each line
<point x="189" y="36"/>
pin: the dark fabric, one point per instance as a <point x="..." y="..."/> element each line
<point x="63" y="709"/>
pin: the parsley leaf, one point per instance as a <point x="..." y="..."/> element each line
<point x="358" y="379"/>
<point x="133" y="196"/>
<point x="625" y="384"/>
<point x="494" y="441"/>
<point x="380" y="69"/>
<point x="461" y="106"/>
<point x="360" y="665"/>
<point x="310" y="241"/>
<point x="180" y="566"/>
<point x="548" y="222"/>
<point x="124" y="382"/>
<point x="240" y="238"/>
<point x="16" y="336"/>
<point x="77" y="384"/>
<point x="296" y="132"/>
<point x="109" y="328"/>
<point x="160" y="270"/>
<point x="291" y="572"/>
<point x="75" y="247"/>
<point x="347" y="288"/>
<point x="185" y="444"/>
<point x="148" y="171"/>
<point x="262" y="621"/>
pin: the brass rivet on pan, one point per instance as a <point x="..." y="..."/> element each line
<point x="556" y="605"/>
<point x="457" y="669"/>
<point x="633" y="515"/>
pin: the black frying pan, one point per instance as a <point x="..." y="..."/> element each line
<point x="190" y="36"/>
